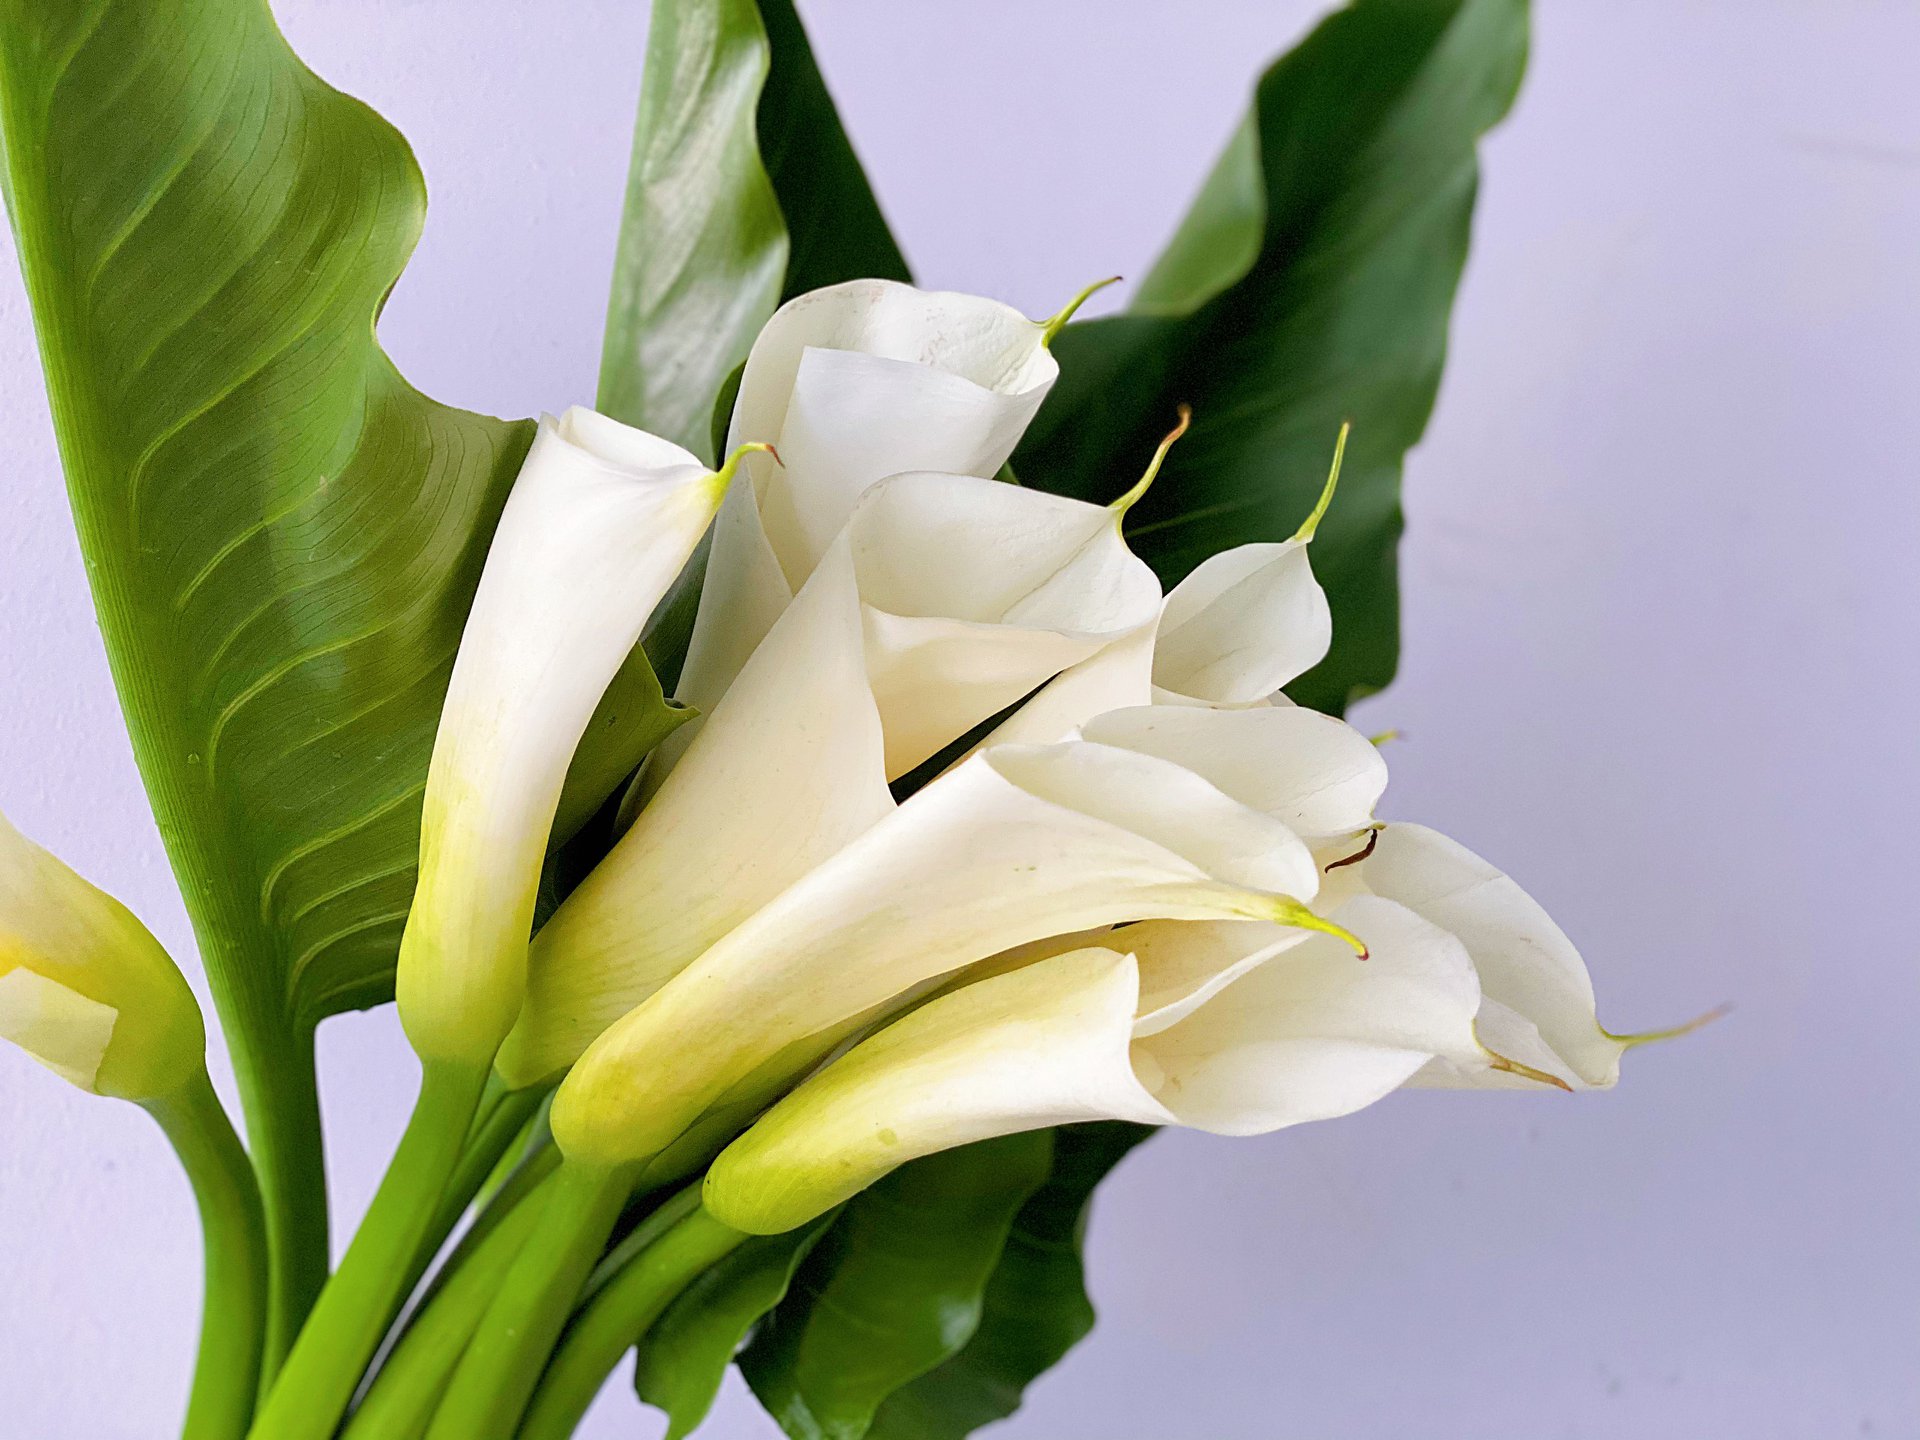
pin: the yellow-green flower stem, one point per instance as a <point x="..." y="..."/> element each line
<point x="499" y="1125"/>
<point x="360" y="1301"/>
<point x="233" y="1307"/>
<point x="647" y="1278"/>
<point x="402" y="1398"/>
<point x="496" y="1377"/>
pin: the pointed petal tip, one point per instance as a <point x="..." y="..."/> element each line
<point x="1671" y="1032"/>
<point x="1052" y="327"/>
<point x="1293" y="913"/>
<point x="1183" y="418"/>
<point x="1311" y="524"/>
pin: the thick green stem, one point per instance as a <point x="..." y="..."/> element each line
<point x="498" y="1126"/>
<point x="502" y="1364"/>
<point x="233" y="1304"/>
<point x="415" y="1375"/>
<point x="519" y="1186"/>
<point x="360" y="1301"/>
<point x="280" y="1101"/>
<point x="620" y="1312"/>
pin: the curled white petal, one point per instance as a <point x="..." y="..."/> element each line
<point x="598" y="524"/>
<point x="1318" y="774"/>
<point x="944" y="600"/>
<point x="851" y="383"/>
<point x="1309" y="1035"/>
<point x="1245" y="622"/>
<point x="1019" y="843"/>
<point x="1539" y="995"/>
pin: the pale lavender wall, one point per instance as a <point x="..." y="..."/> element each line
<point x="1661" y="613"/>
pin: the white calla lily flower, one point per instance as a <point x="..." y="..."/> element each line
<point x="1538" y="1013"/>
<point x="1308" y="1036"/>
<point x="1018" y="843"/>
<point x="85" y="988"/>
<point x="944" y="600"/>
<point x="851" y="383"/>
<point x="598" y="524"/>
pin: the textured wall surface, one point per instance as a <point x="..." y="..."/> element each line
<point x="1660" y="618"/>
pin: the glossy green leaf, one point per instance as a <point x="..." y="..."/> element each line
<point x="1317" y="295"/>
<point x="743" y="190"/>
<point x="895" y="1288"/>
<point x="282" y="535"/>
<point x="1035" y="1308"/>
<point x="680" y="1362"/>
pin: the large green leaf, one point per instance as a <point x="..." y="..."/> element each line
<point x="281" y="534"/>
<point x="680" y="1362"/>
<point x="743" y="190"/>
<point x="1311" y="285"/>
<point x="895" y="1288"/>
<point x="1035" y="1308"/>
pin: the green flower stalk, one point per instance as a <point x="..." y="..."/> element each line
<point x="87" y="991"/>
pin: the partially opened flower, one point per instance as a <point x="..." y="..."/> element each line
<point x="85" y="989"/>
<point x="852" y="383"/>
<point x="1537" y="1005"/>
<point x="1016" y="844"/>
<point x="1101" y="1033"/>
<point x="944" y="600"/>
<point x="1241" y="625"/>
<point x="599" y="522"/>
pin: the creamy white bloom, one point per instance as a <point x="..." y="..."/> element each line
<point x="1314" y="1034"/>
<point x="944" y="600"/>
<point x="1537" y="1009"/>
<point x="84" y="987"/>
<point x="851" y="383"/>
<point x="1018" y="843"/>
<point x="1245" y="623"/>
<point x="1235" y="1026"/>
<point x="600" y="520"/>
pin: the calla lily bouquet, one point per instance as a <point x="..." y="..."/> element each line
<point x="1003" y="809"/>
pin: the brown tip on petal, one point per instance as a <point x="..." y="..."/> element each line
<point x="1527" y="1072"/>
<point x="1672" y="1032"/>
<point x="1373" y="839"/>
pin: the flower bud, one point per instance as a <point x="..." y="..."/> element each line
<point x="84" y="987"/>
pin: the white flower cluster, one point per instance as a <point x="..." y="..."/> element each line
<point x="1152" y="889"/>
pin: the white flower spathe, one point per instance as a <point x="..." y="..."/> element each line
<point x="851" y="384"/>
<point x="85" y="988"/>
<point x="944" y="600"/>
<point x="1016" y="844"/>
<point x="598" y="524"/>
<point x="1311" y="1035"/>
<point x="1233" y="1026"/>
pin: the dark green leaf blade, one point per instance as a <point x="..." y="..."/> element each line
<point x="836" y="228"/>
<point x="281" y="534"/>
<point x="1036" y="1307"/>
<point x="895" y="1288"/>
<point x="680" y="1362"/>
<point x="743" y="191"/>
<point x="1366" y="153"/>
